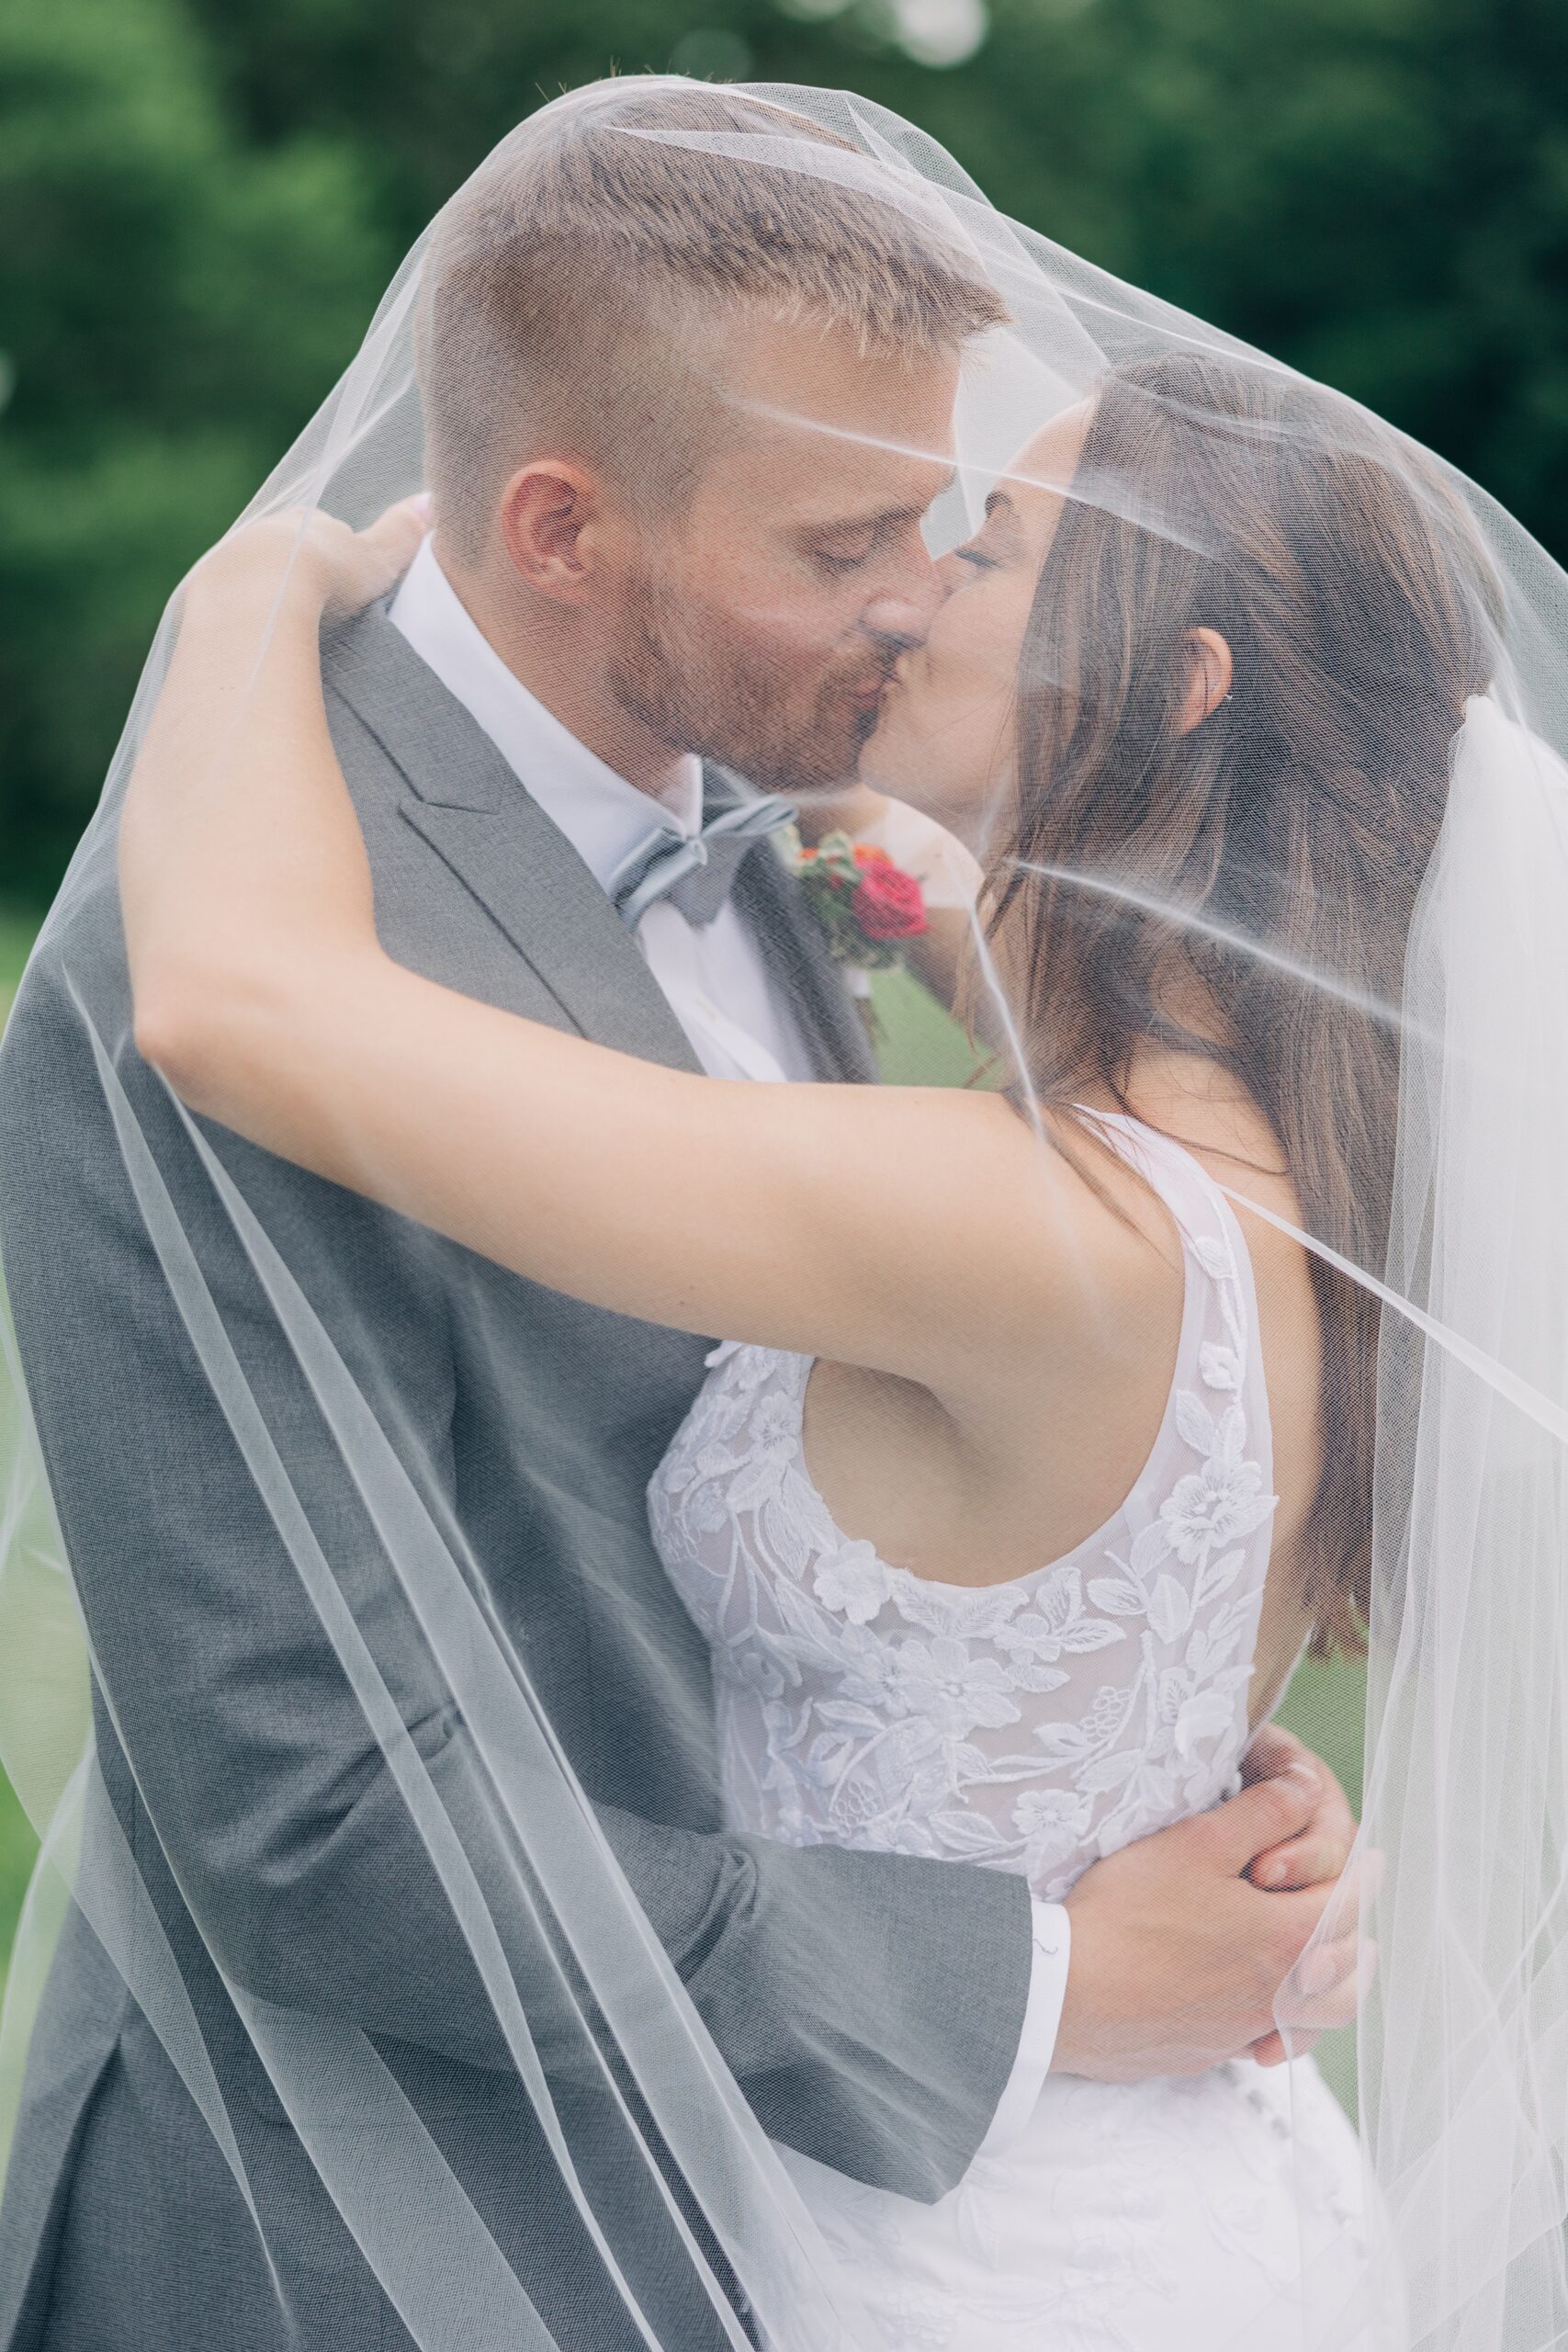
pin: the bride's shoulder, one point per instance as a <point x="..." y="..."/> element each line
<point x="1206" y="1109"/>
<point x="1204" y="1106"/>
<point x="1059" y="1241"/>
<point x="1012" y="1158"/>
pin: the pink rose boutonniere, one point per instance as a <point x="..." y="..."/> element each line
<point x="868" y="906"/>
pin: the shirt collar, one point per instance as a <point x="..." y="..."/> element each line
<point x="603" y="816"/>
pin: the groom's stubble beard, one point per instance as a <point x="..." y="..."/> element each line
<point x="785" y="722"/>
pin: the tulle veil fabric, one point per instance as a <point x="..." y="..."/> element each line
<point x="1463" y="2043"/>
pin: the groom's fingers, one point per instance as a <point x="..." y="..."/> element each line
<point x="1269" y="1751"/>
<point x="1347" y="1902"/>
<point x="1326" y="1989"/>
<point x="1322" y="1847"/>
<point x="1321" y="1851"/>
<point x="1272" y="2050"/>
<point x="1320" y="1971"/>
<point x="1268" y="1814"/>
<point x="1343" y="1971"/>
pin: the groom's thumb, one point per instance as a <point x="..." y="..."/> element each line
<point x="1262" y="1816"/>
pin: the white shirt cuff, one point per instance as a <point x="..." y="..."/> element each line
<point x="1042" y="2016"/>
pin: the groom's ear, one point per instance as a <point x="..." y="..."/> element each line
<point x="552" y="520"/>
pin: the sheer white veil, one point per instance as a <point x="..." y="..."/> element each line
<point x="1461" y="2075"/>
<point x="679" y="2197"/>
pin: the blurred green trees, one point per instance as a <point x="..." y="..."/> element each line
<point x="201" y="200"/>
<point x="174" y="295"/>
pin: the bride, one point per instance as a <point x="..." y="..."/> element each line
<point x="1038" y="1447"/>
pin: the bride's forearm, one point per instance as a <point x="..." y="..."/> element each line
<point x="238" y="845"/>
<point x="757" y="1211"/>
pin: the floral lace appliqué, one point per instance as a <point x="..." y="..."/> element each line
<point x="1032" y="1725"/>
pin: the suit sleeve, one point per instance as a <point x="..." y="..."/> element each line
<point x="870" y="2006"/>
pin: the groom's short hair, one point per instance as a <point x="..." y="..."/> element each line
<point x="566" y="280"/>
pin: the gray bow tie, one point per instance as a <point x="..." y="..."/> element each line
<point x="696" y="871"/>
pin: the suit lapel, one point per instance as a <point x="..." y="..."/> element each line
<point x="464" y="801"/>
<point x="467" y="804"/>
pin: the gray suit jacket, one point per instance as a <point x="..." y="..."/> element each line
<point x="535" y="1421"/>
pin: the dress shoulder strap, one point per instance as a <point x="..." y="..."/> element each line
<point x="1219" y="1361"/>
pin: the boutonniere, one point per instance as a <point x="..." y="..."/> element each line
<point x="868" y="906"/>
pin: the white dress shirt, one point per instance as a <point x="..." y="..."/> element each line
<point x="716" y="983"/>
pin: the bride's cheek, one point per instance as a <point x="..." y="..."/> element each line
<point x="991" y="670"/>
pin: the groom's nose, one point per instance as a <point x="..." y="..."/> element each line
<point x="901" y="614"/>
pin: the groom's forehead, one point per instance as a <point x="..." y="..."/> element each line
<point x="818" y="478"/>
<point x="841" y="427"/>
<point x="872" y="505"/>
<point x="812" y="430"/>
<point x="794" y="375"/>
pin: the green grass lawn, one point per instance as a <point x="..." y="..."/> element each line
<point x="16" y="1845"/>
<point x="917" y="1042"/>
<point x="15" y="939"/>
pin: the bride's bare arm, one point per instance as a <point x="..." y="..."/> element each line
<point x="888" y="1226"/>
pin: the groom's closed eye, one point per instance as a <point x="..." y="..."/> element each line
<point x="850" y="545"/>
<point x="838" y="557"/>
<point x="844" y="546"/>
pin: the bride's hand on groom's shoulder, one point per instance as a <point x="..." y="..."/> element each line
<point x="307" y="556"/>
<point x="243" y="870"/>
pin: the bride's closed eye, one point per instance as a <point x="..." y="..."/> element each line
<point x="975" y="555"/>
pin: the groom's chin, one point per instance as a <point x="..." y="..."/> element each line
<point x="800" y="767"/>
<point x="815" y="747"/>
<point x="838" y="744"/>
<point x="877" y="762"/>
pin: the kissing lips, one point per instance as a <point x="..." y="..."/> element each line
<point x="868" y="694"/>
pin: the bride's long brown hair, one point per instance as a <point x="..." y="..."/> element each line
<point x="1297" y="819"/>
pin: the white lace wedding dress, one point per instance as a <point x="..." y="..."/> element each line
<point x="1033" y="1726"/>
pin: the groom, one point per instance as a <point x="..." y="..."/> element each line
<point x="638" y="566"/>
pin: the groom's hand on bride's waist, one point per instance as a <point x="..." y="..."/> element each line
<point x="1183" y="1942"/>
<point x="1319" y="1851"/>
<point x="1316" y="1857"/>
